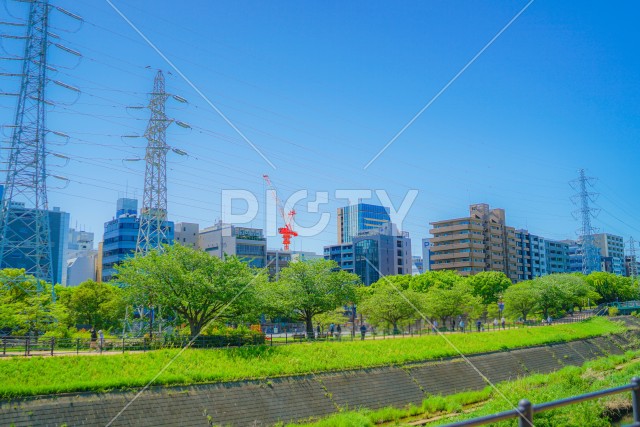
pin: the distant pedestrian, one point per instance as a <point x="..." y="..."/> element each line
<point x="94" y="338"/>
<point x="338" y="332"/>
<point x="101" y="337"/>
<point x="332" y="328"/>
<point x="453" y="325"/>
<point x="504" y="323"/>
<point x="434" y="324"/>
<point x="479" y="325"/>
<point x="549" y="320"/>
<point x="363" y="331"/>
<point x="461" y="326"/>
<point x="318" y="331"/>
<point x="495" y="323"/>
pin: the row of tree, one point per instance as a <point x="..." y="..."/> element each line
<point x="181" y="286"/>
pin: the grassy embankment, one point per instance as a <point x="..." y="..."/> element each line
<point x="600" y="374"/>
<point x="46" y="375"/>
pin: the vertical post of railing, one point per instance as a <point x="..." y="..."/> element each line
<point x="53" y="341"/>
<point x="27" y="350"/>
<point x="271" y="339"/>
<point x="525" y="409"/>
<point x="123" y="343"/>
<point x="77" y="346"/>
<point x="635" y="397"/>
<point x="286" y="336"/>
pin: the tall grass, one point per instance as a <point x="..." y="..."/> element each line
<point x="45" y="375"/>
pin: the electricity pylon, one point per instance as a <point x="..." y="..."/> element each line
<point x="24" y="224"/>
<point x="590" y="256"/>
<point x="153" y="232"/>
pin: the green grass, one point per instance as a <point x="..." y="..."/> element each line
<point x="569" y="381"/>
<point x="42" y="375"/>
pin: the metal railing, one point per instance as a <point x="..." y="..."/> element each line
<point x="12" y="346"/>
<point x="48" y="346"/>
<point x="526" y="411"/>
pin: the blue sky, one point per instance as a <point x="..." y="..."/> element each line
<point x="320" y="87"/>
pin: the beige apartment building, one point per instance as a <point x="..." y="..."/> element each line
<point x="480" y="242"/>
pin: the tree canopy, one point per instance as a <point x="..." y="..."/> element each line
<point x="308" y="288"/>
<point x="197" y="286"/>
<point x="384" y="303"/>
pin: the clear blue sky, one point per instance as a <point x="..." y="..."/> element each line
<point x="320" y="87"/>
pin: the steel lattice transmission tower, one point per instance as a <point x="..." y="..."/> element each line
<point x="590" y="257"/>
<point x="633" y="262"/>
<point x="153" y="216"/>
<point x="24" y="224"/>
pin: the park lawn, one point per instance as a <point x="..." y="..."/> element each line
<point x="46" y="375"/>
<point x="570" y="381"/>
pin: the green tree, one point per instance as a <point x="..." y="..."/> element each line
<point x="26" y="305"/>
<point x="384" y="303"/>
<point x="550" y="296"/>
<point x="612" y="287"/>
<point x="443" y="279"/>
<point x="306" y="289"/>
<point x="197" y="286"/>
<point x="489" y="285"/>
<point x="449" y="303"/>
<point x="100" y="305"/>
<point x="575" y="289"/>
<point x="520" y="300"/>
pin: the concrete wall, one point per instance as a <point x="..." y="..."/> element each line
<point x="263" y="403"/>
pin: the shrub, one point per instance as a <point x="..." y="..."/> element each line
<point x="613" y="311"/>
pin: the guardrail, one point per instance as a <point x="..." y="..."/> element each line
<point x="526" y="411"/>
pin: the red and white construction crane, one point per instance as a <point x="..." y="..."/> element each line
<point x="286" y="231"/>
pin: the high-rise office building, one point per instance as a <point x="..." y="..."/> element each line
<point x="374" y="253"/>
<point x="354" y="219"/>
<point x="58" y="228"/>
<point x="121" y="236"/>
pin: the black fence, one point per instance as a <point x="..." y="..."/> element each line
<point x="526" y="411"/>
<point x="46" y="346"/>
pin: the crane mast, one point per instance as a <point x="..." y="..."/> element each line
<point x="287" y="231"/>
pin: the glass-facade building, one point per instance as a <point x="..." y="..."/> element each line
<point x="121" y="236"/>
<point x="354" y="219"/>
<point x="59" y="231"/>
<point x="374" y="253"/>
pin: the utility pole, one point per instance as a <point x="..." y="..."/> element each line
<point x="590" y="258"/>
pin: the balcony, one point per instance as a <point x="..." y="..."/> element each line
<point x="438" y="239"/>
<point x="454" y="246"/>
<point x="455" y="228"/>
<point x="440" y="257"/>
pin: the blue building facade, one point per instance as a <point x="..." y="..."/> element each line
<point x="59" y="233"/>
<point x="575" y="256"/>
<point x="531" y="255"/>
<point x="354" y="219"/>
<point x="374" y="253"/>
<point x="557" y="257"/>
<point x="121" y="236"/>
